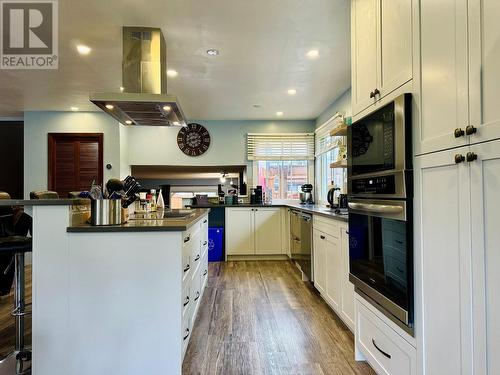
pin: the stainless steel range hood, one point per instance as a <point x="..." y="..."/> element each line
<point x="144" y="101"/>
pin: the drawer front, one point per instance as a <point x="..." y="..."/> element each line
<point x="186" y="300"/>
<point x="185" y="332"/>
<point x="186" y="268"/>
<point x="386" y="351"/>
<point x="328" y="226"/>
<point x="204" y="245"/>
<point x="204" y="272"/>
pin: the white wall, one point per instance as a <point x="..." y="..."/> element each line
<point x="342" y="104"/>
<point x="124" y="143"/>
<point x="38" y="124"/>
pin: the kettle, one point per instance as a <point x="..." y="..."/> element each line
<point x="331" y="197"/>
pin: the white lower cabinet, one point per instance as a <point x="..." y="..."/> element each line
<point x="382" y="347"/>
<point x="195" y="274"/>
<point x="254" y="231"/>
<point x="331" y="266"/>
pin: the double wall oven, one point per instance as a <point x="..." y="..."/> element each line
<point x="380" y="188"/>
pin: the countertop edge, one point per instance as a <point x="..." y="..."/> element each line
<point x="44" y="202"/>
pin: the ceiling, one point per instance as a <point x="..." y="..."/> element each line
<point x="262" y="44"/>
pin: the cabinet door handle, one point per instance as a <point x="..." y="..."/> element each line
<point x="187" y="301"/>
<point x="458" y="133"/>
<point x="205" y="221"/>
<point x="471" y="156"/>
<point x="204" y="273"/>
<point x="372" y="95"/>
<point x="322" y="237"/>
<point x="380" y="350"/>
<point x="197" y="296"/>
<point x="197" y="258"/>
<point x="469" y="130"/>
<point x="459" y="158"/>
<point x="205" y="243"/>
<point x="187" y="334"/>
<point x="376" y="92"/>
<point x="187" y="239"/>
<point x="346" y="232"/>
<point x="187" y="268"/>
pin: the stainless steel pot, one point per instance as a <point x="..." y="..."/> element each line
<point x="106" y="212"/>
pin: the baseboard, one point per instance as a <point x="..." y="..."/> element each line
<point x="257" y="257"/>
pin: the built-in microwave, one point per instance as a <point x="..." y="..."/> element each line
<point x="380" y="151"/>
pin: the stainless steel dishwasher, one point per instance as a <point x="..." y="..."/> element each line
<point x="301" y="241"/>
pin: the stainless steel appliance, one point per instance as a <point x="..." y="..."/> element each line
<point x="301" y="241"/>
<point x="306" y="195"/>
<point x="380" y="201"/>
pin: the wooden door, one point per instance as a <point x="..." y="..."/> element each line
<point x="240" y="231"/>
<point x="443" y="265"/>
<point x="396" y="44"/>
<point x="364" y="14"/>
<point x="444" y="75"/>
<point x="75" y="160"/>
<point x="484" y="34"/>
<point x="268" y="238"/>
<point x="485" y="209"/>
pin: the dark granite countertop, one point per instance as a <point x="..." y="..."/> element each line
<point x="44" y="202"/>
<point x="309" y="208"/>
<point x="144" y="225"/>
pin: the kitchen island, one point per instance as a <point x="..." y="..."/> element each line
<point x="114" y="300"/>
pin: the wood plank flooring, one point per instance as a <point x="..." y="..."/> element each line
<point x="258" y="317"/>
<point x="7" y="325"/>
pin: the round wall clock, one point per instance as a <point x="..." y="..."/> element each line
<point x="193" y="139"/>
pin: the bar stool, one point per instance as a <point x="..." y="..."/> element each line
<point x="18" y="362"/>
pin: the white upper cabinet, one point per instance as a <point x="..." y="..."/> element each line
<point x="240" y="231"/>
<point x="443" y="266"/>
<point x="444" y="76"/>
<point x="484" y="68"/>
<point x="382" y="49"/>
<point x="268" y="238"/>
<point x="396" y="47"/>
<point x="364" y="15"/>
<point x="485" y="208"/>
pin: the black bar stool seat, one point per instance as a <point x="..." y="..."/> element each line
<point x="15" y="244"/>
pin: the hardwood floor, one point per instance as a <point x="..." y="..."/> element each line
<point x="7" y="326"/>
<point x="258" y="317"/>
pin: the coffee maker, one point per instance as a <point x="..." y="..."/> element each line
<point x="306" y="195"/>
<point x="256" y="195"/>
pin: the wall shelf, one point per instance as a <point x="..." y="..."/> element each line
<point x="339" y="131"/>
<point x="339" y="164"/>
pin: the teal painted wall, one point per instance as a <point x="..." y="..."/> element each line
<point x="342" y="104"/>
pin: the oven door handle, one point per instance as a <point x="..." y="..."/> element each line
<point x="376" y="208"/>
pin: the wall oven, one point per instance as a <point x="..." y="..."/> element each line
<point x="380" y="188"/>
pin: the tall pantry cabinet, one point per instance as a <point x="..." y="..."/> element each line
<point x="457" y="185"/>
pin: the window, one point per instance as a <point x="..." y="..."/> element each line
<point x="326" y="153"/>
<point x="282" y="163"/>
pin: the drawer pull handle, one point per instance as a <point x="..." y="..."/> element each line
<point x="187" y="239"/>
<point x="205" y="243"/>
<point x="197" y="258"/>
<point x="380" y="350"/>
<point x="187" y="334"/>
<point x="204" y="273"/>
<point x="322" y="237"/>
<point x="205" y="221"/>
<point x="197" y="296"/>
<point x="187" y="268"/>
<point x="187" y="301"/>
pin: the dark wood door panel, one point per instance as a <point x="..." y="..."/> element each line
<point x="75" y="161"/>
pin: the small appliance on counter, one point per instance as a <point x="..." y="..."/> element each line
<point x="256" y="196"/>
<point x="306" y="195"/>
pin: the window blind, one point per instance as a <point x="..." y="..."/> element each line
<point x="286" y="146"/>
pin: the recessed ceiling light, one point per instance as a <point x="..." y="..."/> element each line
<point x="279" y="113"/>
<point x="110" y="106"/>
<point x="292" y="92"/>
<point x="167" y="108"/>
<point x="313" y="53"/>
<point x="74" y="109"/>
<point x="128" y="122"/>
<point x="172" y="73"/>
<point x="83" y="50"/>
<point x="212" y="52"/>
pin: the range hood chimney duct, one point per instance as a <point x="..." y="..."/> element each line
<point x="144" y="100"/>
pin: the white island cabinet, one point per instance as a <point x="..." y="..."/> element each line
<point x="115" y="300"/>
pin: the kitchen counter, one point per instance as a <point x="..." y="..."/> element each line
<point x="144" y="225"/>
<point x="309" y="208"/>
<point x="44" y="202"/>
